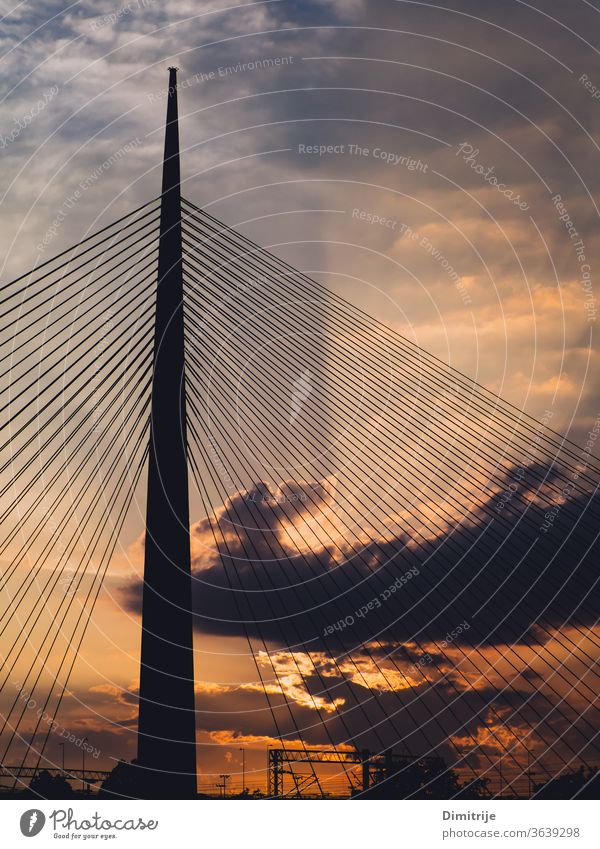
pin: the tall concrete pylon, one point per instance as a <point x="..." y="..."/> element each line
<point x="166" y="729"/>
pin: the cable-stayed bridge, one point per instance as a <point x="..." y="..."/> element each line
<point x="410" y="560"/>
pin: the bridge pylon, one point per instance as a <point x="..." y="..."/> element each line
<point x="166" y="728"/>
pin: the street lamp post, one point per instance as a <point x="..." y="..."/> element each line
<point x="83" y="742"/>
<point x="243" y="751"/>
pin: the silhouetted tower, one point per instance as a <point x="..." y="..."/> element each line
<point x="166" y="730"/>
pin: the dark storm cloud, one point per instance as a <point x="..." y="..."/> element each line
<point x="455" y="717"/>
<point x="508" y="580"/>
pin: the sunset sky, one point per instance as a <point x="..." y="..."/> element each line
<point x="434" y="164"/>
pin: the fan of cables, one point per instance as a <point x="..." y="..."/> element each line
<point x="410" y="559"/>
<point x="75" y="359"/>
<point x="410" y="552"/>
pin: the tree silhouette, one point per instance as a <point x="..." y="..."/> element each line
<point x="582" y="784"/>
<point x="50" y="786"/>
